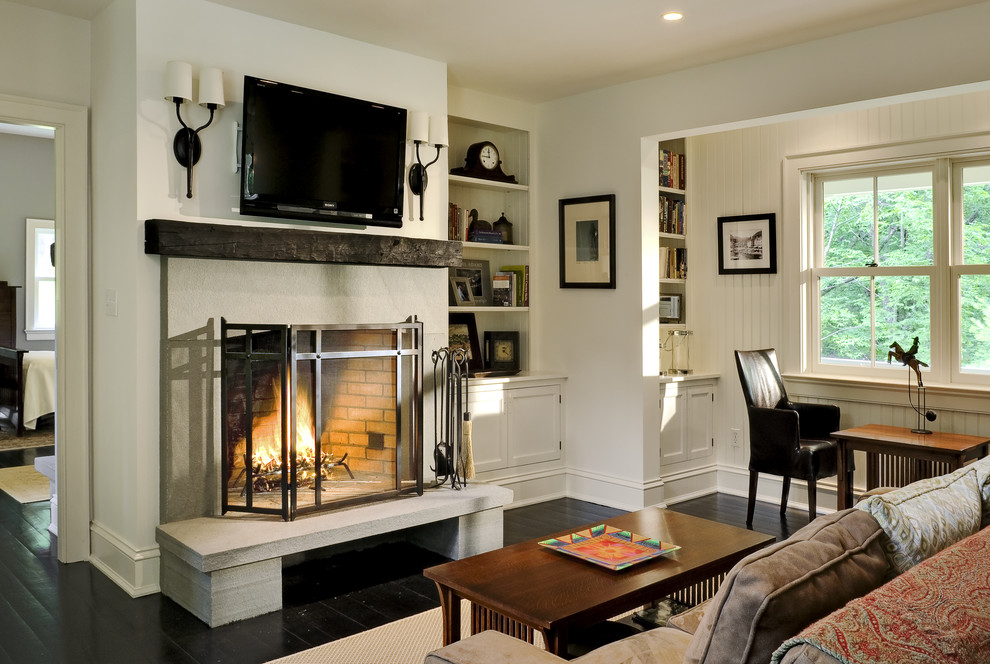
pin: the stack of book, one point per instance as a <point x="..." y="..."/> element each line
<point x="672" y="169"/>
<point x="510" y="286"/>
<point x="671" y="215"/>
<point x="673" y="263"/>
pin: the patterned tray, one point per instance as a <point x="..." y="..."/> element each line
<point x="609" y="546"/>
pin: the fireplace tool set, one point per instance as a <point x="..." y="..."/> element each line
<point x="452" y="454"/>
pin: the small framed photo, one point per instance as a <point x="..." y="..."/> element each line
<point x="460" y="289"/>
<point x="502" y="352"/>
<point x="479" y="276"/>
<point x="587" y="242"/>
<point x="747" y="244"/>
<point x="462" y="332"/>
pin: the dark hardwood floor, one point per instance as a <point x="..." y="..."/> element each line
<point x="73" y="614"/>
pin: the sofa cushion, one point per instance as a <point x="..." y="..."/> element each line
<point x="663" y="645"/>
<point x="774" y="593"/>
<point x="924" y="517"/>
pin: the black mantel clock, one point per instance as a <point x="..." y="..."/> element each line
<point x="483" y="161"/>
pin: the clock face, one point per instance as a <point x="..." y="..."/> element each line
<point x="488" y="156"/>
<point x="503" y="351"/>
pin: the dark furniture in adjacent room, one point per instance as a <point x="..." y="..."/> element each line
<point x="788" y="439"/>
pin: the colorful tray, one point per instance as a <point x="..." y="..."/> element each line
<point x="609" y="546"/>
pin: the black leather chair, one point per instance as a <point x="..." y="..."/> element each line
<point x="786" y="438"/>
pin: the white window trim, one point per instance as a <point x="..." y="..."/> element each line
<point x="31" y="333"/>
<point x="798" y="352"/>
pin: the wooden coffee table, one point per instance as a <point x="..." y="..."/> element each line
<point x="526" y="587"/>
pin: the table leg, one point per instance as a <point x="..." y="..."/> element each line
<point x="555" y="639"/>
<point x="845" y="479"/>
<point x="450" y="603"/>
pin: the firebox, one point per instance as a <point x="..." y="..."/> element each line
<point x="318" y="417"/>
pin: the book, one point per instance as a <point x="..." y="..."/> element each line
<point x="502" y="290"/>
<point x="490" y="237"/>
<point x="522" y="283"/>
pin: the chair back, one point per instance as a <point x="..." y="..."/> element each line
<point x="760" y="378"/>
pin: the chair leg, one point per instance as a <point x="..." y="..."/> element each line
<point x="784" y="492"/>
<point x="751" y="504"/>
<point x="812" y="499"/>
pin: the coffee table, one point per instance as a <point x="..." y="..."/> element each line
<point x="526" y="587"/>
<point x="912" y="455"/>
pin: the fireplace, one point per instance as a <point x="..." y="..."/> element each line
<point x="318" y="417"/>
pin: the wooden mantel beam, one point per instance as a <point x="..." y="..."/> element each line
<point x="293" y="245"/>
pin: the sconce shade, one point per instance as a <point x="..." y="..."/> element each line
<point x="211" y="87"/>
<point x="178" y="81"/>
<point x="419" y="127"/>
<point x="438" y="131"/>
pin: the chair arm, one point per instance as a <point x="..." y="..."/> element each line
<point x="817" y="420"/>
<point x="773" y="439"/>
<point x="491" y="648"/>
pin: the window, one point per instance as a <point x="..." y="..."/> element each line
<point x="39" y="282"/>
<point x="901" y="253"/>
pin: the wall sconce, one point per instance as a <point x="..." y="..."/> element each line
<point x="178" y="88"/>
<point x="424" y="129"/>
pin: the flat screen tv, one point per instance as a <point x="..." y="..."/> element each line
<point x="315" y="155"/>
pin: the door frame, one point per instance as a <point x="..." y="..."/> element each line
<point x="73" y="368"/>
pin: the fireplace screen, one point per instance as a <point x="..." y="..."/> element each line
<point x="320" y="417"/>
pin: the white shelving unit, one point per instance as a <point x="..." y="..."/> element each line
<point x="492" y="199"/>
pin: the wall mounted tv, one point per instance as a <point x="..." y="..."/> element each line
<point x="315" y="155"/>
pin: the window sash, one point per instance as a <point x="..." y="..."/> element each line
<point x="39" y="315"/>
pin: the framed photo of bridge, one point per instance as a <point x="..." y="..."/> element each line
<point x="747" y="244"/>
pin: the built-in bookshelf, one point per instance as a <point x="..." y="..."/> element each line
<point x="501" y="257"/>
<point x="672" y="228"/>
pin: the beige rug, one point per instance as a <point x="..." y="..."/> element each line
<point x="24" y="484"/>
<point x="405" y="641"/>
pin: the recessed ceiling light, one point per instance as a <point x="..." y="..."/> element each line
<point x="673" y="16"/>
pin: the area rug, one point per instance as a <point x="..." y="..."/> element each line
<point x="24" y="484"/>
<point x="405" y="641"/>
<point x="41" y="438"/>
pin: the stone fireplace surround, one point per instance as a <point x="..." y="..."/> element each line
<point x="226" y="568"/>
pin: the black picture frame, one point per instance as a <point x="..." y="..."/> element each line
<point x="747" y="244"/>
<point x="587" y="241"/>
<point x="496" y="364"/>
<point x="462" y="332"/>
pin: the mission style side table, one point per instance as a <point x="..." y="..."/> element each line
<point x="895" y="456"/>
<point x="525" y="587"/>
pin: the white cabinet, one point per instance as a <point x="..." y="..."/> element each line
<point x="515" y="424"/>
<point x="686" y="411"/>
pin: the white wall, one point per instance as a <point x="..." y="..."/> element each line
<point x="597" y="337"/>
<point x="136" y="178"/>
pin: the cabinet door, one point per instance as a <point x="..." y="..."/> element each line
<point x="673" y="424"/>
<point x="534" y="424"/>
<point x="489" y="441"/>
<point x="699" y="425"/>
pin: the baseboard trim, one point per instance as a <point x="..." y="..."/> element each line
<point x="133" y="569"/>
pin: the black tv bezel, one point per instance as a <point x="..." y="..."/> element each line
<point x="304" y="209"/>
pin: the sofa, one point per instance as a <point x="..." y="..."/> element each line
<point x="902" y="576"/>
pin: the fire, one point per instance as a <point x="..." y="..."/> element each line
<point x="267" y="446"/>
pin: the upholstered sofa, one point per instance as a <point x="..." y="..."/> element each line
<point x="907" y="571"/>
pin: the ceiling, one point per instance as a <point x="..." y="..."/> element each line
<point x="539" y="50"/>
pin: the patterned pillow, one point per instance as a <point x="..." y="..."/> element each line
<point x="924" y="517"/>
<point x="983" y="480"/>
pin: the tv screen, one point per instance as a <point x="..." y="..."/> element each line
<point x="307" y="154"/>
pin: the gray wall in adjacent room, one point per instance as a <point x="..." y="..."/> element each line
<point x="27" y="189"/>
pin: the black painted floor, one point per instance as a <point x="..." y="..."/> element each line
<point x="57" y="613"/>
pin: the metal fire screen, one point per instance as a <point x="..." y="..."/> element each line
<point x="317" y="417"/>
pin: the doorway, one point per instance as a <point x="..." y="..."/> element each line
<point x="73" y="379"/>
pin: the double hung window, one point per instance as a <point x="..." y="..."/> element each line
<point x="901" y="254"/>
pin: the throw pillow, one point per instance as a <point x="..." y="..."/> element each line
<point x="924" y="517"/>
<point x="983" y="479"/>
<point x="774" y="593"/>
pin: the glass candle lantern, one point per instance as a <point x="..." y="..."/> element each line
<point x="678" y="350"/>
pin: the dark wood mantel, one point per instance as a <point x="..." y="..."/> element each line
<point x="186" y="239"/>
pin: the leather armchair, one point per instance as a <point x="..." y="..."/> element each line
<point x="786" y="438"/>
